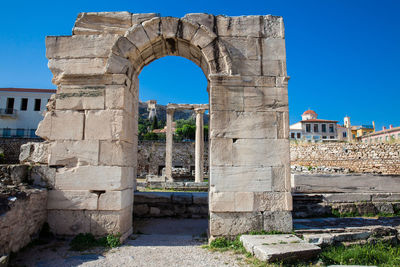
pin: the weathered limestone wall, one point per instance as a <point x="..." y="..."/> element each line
<point x="168" y="204"/>
<point x="357" y="157"/>
<point x="91" y="125"/>
<point x="151" y="156"/>
<point x="22" y="208"/>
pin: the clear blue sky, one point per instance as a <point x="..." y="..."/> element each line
<point x="343" y="56"/>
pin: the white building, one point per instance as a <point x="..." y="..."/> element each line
<point x="21" y="110"/>
<point x="312" y="129"/>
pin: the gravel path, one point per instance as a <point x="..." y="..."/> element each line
<point x="163" y="243"/>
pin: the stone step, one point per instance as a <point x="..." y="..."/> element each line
<point x="285" y="247"/>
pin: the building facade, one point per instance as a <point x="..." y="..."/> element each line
<point x="312" y="129"/>
<point x="391" y="134"/>
<point x="21" y="110"/>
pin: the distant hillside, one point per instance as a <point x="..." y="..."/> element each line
<point x="162" y="113"/>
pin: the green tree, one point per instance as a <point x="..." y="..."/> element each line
<point x="154" y="124"/>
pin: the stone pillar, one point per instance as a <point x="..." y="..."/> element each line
<point x="199" y="150"/>
<point x="168" y="149"/>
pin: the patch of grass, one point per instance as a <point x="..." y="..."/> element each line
<point x="223" y="244"/>
<point x="381" y="254"/>
<point x="87" y="241"/>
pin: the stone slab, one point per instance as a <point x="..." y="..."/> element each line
<point x="342" y="183"/>
<point x="272" y="248"/>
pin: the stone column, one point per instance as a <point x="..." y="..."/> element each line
<point x="168" y="149"/>
<point x="199" y="150"/>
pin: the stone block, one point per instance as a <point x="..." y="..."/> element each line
<point x="116" y="200"/>
<point x="222" y="201"/>
<point x="244" y="202"/>
<point x="118" y="65"/>
<point x="201" y="19"/>
<point x="224" y="98"/>
<point x="233" y="224"/>
<point x="203" y="37"/>
<point x="142" y="17"/>
<point x="287" y="248"/>
<point x="78" y="99"/>
<point x="281" y="179"/>
<point x="119" y="98"/>
<point x="272" y="201"/>
<point x="244" y="124"/>
<point x="250" y="67"/>
<point x="79" y="66"/>
<point x="347" y="197"/>
<point x="153" y="197"/>
<point x="94" y="178"/>
<point x="274" y="49"/>
<point x="90" y="23"/>
<point x="105" y="222"/>
<point x="169" y="26"/>
<point x="43" y="176"/>
<point x="114" y="125"/>
<point x="241" y="48"/>
<point x="137" y="36"/>
<point x="274" y="67"/>
<point x="79" y="46"/>
<point x="34" y="152"/>
<point x="200" y="198"/>
<point x="182" y="198"/>
<point x="273" y="27"/>
<point x="257" y="152"/>
<point x="242" y="26"/>
<point x="73" y="153"/>
<point x="68" y="222"/>
<point x="240" y="178"/>
<point x="221" y="151"/>
<point x="278" y="221"/>
<point x="61" y="125"/>
<point x="117" y="153"/>
<point x="265" y="99"/>
<point x="71" y="200"/>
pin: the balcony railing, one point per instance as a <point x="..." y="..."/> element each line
<point x="8" y="112"/>
<point x="17" y="133"/>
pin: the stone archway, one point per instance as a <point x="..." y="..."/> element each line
<point x="91" y="125"/>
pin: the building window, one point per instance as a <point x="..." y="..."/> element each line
<point x="344" y="134"/>
<point x="331" y="130"/>
<point x="331" y="137"/>
<point x="323" y="137"/>
<point x="324" y="128"/>
<point x="308" y="128"/>
<point x="37" y="104"/>
<point x="10" y="105"/>
<point x="299" y="135"/>
<point x="292" y="135"/>
<point x="316" y="128"/>
<point x="24" y="103"/>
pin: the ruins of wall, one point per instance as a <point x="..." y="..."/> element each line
<point x="357" y="157"/>
<point x="151" y="156"/>
<point x="22" y="208"/>
<point x="171" y="204"/>
<point x="11" y="148"/>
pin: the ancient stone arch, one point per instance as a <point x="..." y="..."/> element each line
<point x="91" y="124"/>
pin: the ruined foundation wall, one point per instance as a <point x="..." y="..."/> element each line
<point x="357" y="157"/>
<point x="151" y="156"/>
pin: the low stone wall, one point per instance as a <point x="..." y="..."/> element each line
<point x="177" y="186"/>
<point x="356" y="157"/>
<point x="170" y="204"/>
<point x="345" y="204"/>
<point x="151" y="156"/>
<point x="22" y="214"/>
